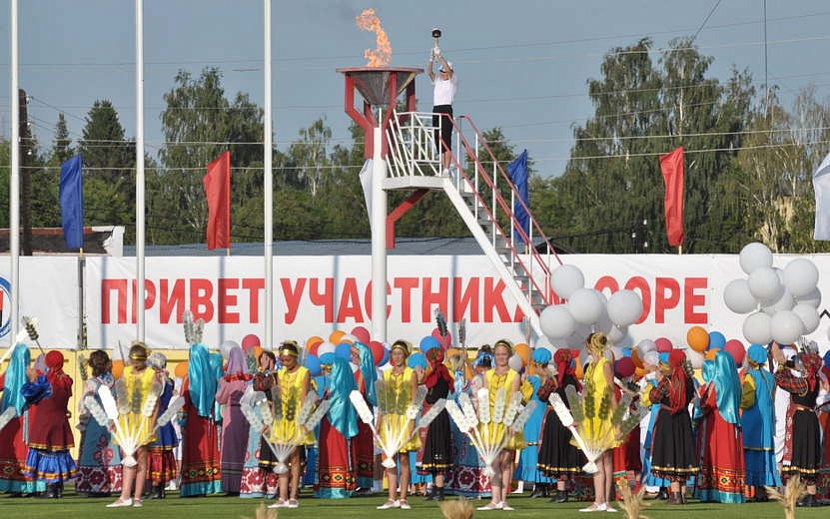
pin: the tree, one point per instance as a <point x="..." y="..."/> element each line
<point x="62" y="150"/>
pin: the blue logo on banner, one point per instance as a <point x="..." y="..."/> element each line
<point x="5" y="306"/>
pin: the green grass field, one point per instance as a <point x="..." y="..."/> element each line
<point x="364" y="507"/>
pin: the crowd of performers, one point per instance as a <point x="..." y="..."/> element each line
<point x="257" y="423"/>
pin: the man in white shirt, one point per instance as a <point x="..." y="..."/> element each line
<point x="444" y="88"/>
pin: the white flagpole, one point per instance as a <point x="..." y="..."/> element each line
<point x="14" y="188"/>
<point x="139" y="165"/>
<point x="268" y="184"/>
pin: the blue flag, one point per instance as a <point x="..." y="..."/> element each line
<point x="518" y="174"/>
<point x="72" y="202"/>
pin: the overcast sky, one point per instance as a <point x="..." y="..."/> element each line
<point x="522" y="67"/>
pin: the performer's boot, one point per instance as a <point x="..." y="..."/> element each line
<point x="539" y="490"/>
<point x="439" y="494"/>
<point x="51" y="491"/>
<point x="60" y="490"/>
<point x="675" y="498"/>
<point x="663" y="493"/>
<point x="155" y="492"/>
<point x="432" y="494"/>
<point x="560" y="497"/>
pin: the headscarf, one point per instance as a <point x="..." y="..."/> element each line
<point x="677" y="381"/>
<point x="237" y="368"/>
<point x="437" y="370"/>
<point x="562" y="358"/>
<point x="482" y="357"/>
<point x="342" y="414"/>
<point x="708" y="370"/>
<point x="201" y="380"/>
<point x="727" y="387"/>
<point x="812" y="365"/>
<point x="367" y="369"/>
<point x="541" y="356"/>
<point x="15" y="378"/>
<point x="757" y="354"/>
<point x="54" y="373"/>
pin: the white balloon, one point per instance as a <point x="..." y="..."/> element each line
<point x="764" y="284"/>
<point x="809" y="317"/>
<point x="585" y="306"/>
<point x="738" y="298"/>
<point x="325" y="347"/>
<point x="567" y="279"/>
<point x="625" y="307"/>
<point x="604" y="323"/>
<point x="515" y="362"/>
<point x="645" y="346"/>
<point x="755" y="255"/>
<point x="617" y="334"/>
<point x="695" y="358"/>
<point x="785" y="302"/>
<point x="557" y="321"/>
<point x="800" y="276"/>
<point x="786" y="327"/>
<point x="757" y="328"/>
<point x="226" y="347"/>
<point x="813" y="298"/>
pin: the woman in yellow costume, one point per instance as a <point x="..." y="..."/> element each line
<point x="293" y="384"/>
<point x="599" y="400"/>
<point x="496" y="379"/>
<point x="395" y="395"/>
<point x="137" y="395"/>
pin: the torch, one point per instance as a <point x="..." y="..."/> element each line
<point x="436" y="36"/>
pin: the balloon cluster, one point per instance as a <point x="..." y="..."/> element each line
<point x="705" y="345"/>
<point x="587" y="310"/>
<point x="782" y="304"/>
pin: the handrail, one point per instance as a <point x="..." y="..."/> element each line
<point x="499" y="201"/>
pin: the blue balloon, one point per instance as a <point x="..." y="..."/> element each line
<point x="626" y="352"/>
<point x="312" y="363"/>
<point x="716" y="340"/>
<point x="385" y="358"/>
<point x="827" y="360"/>
<point x="417" y="359"/>
<point x="429" y="342"/>
<point x="344" y="351"/>
<point x="664" y="357"/>
<point x="327" y="359"/>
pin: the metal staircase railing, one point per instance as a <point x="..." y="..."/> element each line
<point x="480" y="193"/>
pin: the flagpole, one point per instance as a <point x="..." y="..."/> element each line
<point x="139" y="166"/>
<point x="81" y="265"/>
<point x="268" y="183"/>
<point x="14" y="177"/>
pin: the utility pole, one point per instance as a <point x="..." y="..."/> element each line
<point x="26" y="156"/>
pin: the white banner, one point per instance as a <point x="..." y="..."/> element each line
<point x="315" y="295"/>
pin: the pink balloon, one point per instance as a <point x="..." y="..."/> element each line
<point x="445" y="342"/>
<point x="361" y="334"/>
<point x="250" y="342"/>
<point x="663" y="345"/>
<point x="735" y="348"/>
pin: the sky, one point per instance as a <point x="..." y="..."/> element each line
<point x="523" y="68"/>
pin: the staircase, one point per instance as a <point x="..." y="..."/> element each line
<point x="483" y="195"/>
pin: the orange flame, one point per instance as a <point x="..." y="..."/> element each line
<point x="382" y="55"/>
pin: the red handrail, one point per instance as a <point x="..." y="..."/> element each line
<point x="545" y="293"/>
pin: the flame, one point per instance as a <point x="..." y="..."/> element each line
<point x="382" y="55"/>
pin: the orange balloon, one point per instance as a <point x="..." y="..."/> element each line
<point x="258" y="352"/>
<point x="310" y="341"/>
<point x="117" y="368"/>
<point x="710" y="355"/>
<point x="639" y="372"/>
<point x="181" y="370"/>
<point x="452" y="351"/>
<point x="524" y="351"/>
<point x="335" y="336"/>
<point x="697" y="338"/>
<point x="635" y="358"/>
<point x="579" y="370"/>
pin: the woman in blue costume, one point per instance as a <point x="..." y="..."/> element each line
<point x="363" y="445"/>
<point x="759" y="424"/>
<point x="201" y="474"/>
<point x="99" y="459"/>
<point x="527" y="469"/>
<point x="336" y="466"/>
<point x="14" y="435"/>
<point x="467" y="478"/>
<point x="162" y="466"/>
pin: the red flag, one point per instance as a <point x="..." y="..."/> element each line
<point x="217" y="184"/>
<point x="672" y="166"/>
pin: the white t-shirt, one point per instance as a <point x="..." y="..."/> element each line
<point x="444" y="90"/>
